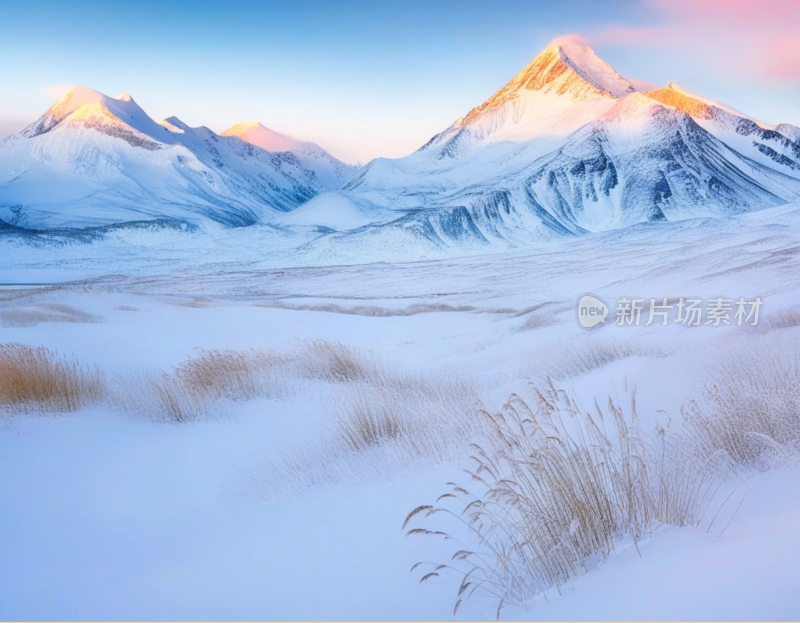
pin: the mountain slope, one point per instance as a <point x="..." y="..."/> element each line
<point x="643" y="161"/>
<point x="792" y="132"/>
<point x="94" y="160"/>
<point x="331" y="173"/>
<point x="748" y="136"/>
<point x="570" y="146"/>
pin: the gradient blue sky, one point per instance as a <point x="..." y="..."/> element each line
<point x="367" y="79"/>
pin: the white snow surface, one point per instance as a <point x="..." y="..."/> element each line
<point x="133" y="244"/>
<point x="110" y="516"/>
<point x="594" y="69"/>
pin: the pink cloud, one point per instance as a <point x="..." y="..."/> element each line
<point x="787" y="49"/>
<point x="735" y="11"/>
<point x="754" y="36"/>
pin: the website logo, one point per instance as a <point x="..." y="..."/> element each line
<point x="591" y="311"/>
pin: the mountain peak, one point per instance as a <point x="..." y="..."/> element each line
<point x="571" y="69"/>
<point x="84" y="107"/>
<point x="249" y="125"/>
<point x="79" y="98"/>
<point x="261" y="136"/>
<point x="583" y="60"/>
<point x="567" y="72"/>
<point x="82" y="97"/>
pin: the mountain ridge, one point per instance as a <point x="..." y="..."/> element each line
<point x="92" y="160"/>
<point x="568" y="146"/>
<point x="552" y="153"/>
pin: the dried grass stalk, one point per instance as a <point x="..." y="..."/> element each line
<point x="559" y="486"/>
<point x="39" y="379"/>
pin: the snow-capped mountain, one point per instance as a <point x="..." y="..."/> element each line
<point x="95" y="160"/>
<point x="559" y="91"/>
<point x="570" y="146"/>
<point x="567" y="146"/>
<point x="331" y="172"/>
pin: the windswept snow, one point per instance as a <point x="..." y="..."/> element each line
<point x="594" y="69"/>
<point x="124" y="518"/>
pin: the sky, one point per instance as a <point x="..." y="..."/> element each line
<point x="369" y="79"/>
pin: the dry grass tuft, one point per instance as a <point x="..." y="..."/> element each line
<point x="368" y="310"/>
<point x="173" y="401"/>
<point x="333" y="361"/>
<point x="752" y="412"/>
<point x="383" y="422"/>
<point x="421" y="416"/>
<point x="163" y="397"/>
<point x="199" y="386"/>
<point x="32" y="315"/>
<point x="38" y="379"/>
<point x="199" y="303"/>
<point x="782" y="319"/>
<point x="236" y="375"/>
<point x="367" y="425"/>
<point x="560" y="486"/>
<point x="538" y="320"/>
<point x="582" y="356"/>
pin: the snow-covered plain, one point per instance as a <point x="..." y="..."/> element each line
<point x="109" y="515"/>
<point x="415" y="291"/>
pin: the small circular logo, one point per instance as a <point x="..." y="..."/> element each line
<point x="591" y="311"/>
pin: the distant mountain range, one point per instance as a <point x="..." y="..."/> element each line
<point x="94" y="160"/>
<point x="568" y="146"/>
